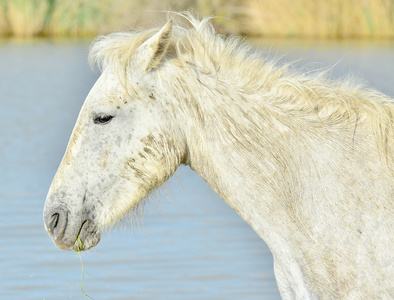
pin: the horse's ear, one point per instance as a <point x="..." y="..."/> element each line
<point x="152" y="51"/>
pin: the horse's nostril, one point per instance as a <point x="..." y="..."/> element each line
<point x="57" y="223"/>
<point x="54" y="221"/>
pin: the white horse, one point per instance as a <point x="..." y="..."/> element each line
<point x="308" y="163"/>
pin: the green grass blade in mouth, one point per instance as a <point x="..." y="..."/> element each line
<point x="78" y="253"/>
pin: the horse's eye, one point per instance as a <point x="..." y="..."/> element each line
<point x="102" y="119"/>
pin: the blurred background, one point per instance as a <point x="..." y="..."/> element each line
<point x="191" y="245"/>
<point x="278" y="18"/>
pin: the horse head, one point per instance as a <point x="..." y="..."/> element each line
<point x="122" y="147"/>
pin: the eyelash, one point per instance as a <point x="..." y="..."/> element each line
<point x="102" y="119"/>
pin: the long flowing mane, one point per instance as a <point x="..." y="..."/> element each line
<point x="198" y="47"/>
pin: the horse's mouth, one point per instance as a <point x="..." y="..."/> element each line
<point x="87" y="238"/>
<point x="68" y="232"/>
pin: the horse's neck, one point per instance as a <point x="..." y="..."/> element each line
<point x="303" y="195"/>
<point x="277" y="177"/>
<point x="259" y="179"/>
<point x="306" y="187"/>
<point x="269" y="165"/>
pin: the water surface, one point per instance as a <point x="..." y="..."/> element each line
<point x="191" y="245"/>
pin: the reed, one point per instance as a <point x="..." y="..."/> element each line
<point x="22" y="18"/>
<point x="275" y="18"/>
<point x="320" y="19"/>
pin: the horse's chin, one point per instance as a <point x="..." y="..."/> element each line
<point x="86" y="244"/>
<point x="87" y="238"/>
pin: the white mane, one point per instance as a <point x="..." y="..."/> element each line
<point x="198" y="47"/>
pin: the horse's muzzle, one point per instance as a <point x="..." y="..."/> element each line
<point x="67" y="234"/>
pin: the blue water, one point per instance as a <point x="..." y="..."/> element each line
<point x="191" y="245"/>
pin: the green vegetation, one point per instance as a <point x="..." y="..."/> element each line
<point x="83" y="271"/>
<point x="27" y="18"/>
<point x="54" y="17"/>
<point x="322" y="19"/>
<point x="276" y="18"/>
